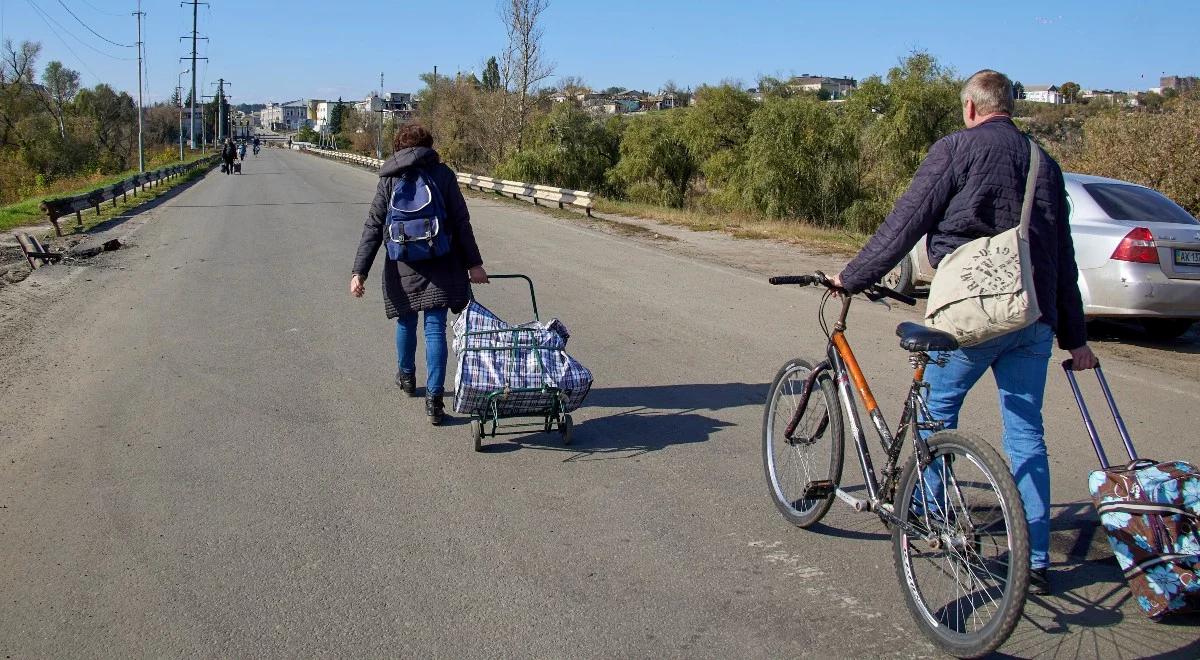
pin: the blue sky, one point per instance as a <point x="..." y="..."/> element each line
<point x="286" y="49"/>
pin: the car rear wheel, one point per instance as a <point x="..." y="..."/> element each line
<point x="1166" y="328"/>
<point x="900" y="278"/>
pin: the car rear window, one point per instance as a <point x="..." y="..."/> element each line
<point x="1136" y="203"/>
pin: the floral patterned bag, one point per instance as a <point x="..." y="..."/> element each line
<point x="1151" y="512"/>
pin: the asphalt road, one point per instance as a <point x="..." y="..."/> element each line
<point x="203" y="454"/>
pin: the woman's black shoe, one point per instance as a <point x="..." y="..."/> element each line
<point x="407" y="382"/>
<point x="434" y="408"/>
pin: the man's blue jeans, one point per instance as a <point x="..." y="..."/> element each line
<point x="435" y="347"/>
<point x="1018" y="361"/>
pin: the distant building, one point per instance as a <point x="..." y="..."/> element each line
<point x="1178" y="83"/>
<point x="289" y="116"/>
<point x="836" y="88"/>
<point x="1044" y="94"/>
<point x="1109" y="97"/>
<point x="396" y="106"/>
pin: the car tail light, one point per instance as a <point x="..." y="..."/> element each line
<point x="1137" y="246"/>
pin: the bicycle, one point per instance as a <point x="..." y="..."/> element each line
<point x="959" y="537"/>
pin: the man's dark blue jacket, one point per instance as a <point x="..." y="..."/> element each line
<point x="972" y="184"/>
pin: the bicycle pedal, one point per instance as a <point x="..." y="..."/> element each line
<point x="815" y="490"/>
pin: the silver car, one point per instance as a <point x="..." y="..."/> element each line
<point x="1138" y="254"/>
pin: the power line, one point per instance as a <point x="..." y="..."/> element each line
<point x="46" y="17"/>
<point x="99" y="10"/>
<point x="82" y="62"/>
<point x="89" y="28"/>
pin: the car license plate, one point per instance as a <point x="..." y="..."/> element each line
<point x="1187" y="257"/>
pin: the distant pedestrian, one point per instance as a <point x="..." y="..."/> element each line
<point x="432" y="286"/>
<point x="242" y="150"/>
<point x="228" y="154"/>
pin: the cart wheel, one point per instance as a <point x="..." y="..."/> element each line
<point x="477" y="434"/>
<point x="565" y="427"/>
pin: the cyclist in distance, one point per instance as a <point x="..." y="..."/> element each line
<point x="972" y="184"/>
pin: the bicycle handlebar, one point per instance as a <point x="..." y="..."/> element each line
<point x="873" y="292"/>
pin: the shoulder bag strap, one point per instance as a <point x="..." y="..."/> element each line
<point x="1031" y="175"/>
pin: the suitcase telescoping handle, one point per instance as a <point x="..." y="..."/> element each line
<point x="1087" y="418"/>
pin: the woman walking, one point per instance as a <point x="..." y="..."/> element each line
<point x="431" y="286"/>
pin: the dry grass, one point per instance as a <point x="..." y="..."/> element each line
<point x="614" y="226"/>
<point x="741" y="226"/>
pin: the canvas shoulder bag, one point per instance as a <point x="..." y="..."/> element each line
<point x="984" y="289"/>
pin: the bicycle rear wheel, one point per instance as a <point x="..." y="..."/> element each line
<point x="966" y="577"/>
<point x="803" y="471"/>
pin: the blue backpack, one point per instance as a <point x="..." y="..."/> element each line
<point x="413" y="230"/>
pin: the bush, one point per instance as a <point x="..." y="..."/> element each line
<point x="567" y="148"/>
<point x="656" y="166"/>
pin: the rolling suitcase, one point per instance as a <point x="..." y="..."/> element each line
<point x="1151" y="513"/>
<point x="237" y="167"/>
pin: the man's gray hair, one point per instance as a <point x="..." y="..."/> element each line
<point x="991" y="91"/>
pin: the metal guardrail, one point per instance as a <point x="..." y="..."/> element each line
<point x="518" y="189"/>
<point x="62" y="206"/>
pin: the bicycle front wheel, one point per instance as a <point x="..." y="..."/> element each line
<point x="802" y="470"/>
<point x="964" y="563"/>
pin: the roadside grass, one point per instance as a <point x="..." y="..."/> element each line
<point x="741" y="226"/>
<point x="28" y="211"/>
<point x="107" y="210"/>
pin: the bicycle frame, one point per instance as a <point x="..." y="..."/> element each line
<point x="841" y="361"/>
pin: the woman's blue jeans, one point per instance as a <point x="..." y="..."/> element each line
<point x="1018" y="361"/>
<point x="435" y="347"/>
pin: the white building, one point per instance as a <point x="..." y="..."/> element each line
<point x="396" y="106"/>
<point x="289" y="116"/>
<point x="1044" y="94"/>
<point x="836" y="88"/>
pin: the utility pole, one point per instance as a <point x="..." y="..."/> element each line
<point x="379" y="135"/>
<point x="221" y="114"/>
<point x="141" y="144"/>
<point x="194" y="36"/>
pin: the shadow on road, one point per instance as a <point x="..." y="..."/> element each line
<point x="625" y="435"/>
<point x="700" y="396"/>
<point x="1128" y="332"/>
<point x="118" y="220"/>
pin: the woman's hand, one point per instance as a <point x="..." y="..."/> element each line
<point x="478" y="275"/>
<point x="356" y="286"/>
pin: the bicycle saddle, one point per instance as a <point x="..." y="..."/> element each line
<point x="916" y="337"/>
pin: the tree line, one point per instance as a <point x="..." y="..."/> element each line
<point x="791" y="155"/>
<point x="56" y="134"/>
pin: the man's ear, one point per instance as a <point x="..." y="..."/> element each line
<point x="969" y="109"/>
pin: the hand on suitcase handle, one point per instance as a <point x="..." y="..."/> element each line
<point x="1084" y="357"/>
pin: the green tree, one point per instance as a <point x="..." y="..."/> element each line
<point x="715" y="131"/>
<point x="491" y="75"/>
<point x="800" y="162"/>
<point x="1018" y="90"/>
<point x="1069" y="91"/>
<point x="568" y="148"/>
<point x="336" y="115"/>
<point x="61" y="85"/>
<point x="656" y="166"/>
<point x="112" y="120"/>
<point x="896" y="119"/>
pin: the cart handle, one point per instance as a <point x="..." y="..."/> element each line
<point x="532" y="295"/>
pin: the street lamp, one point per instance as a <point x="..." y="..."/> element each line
<point x="179" y="92"/>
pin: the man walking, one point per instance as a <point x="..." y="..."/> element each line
<point x="972" y="184"/>
<point x="228" y="154"/>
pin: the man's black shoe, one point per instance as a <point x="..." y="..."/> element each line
<point x="434" y="408"/>
<point x="1039" y="581"/>
<point x="407" y="382"/>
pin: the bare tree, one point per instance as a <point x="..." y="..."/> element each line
<point x="524" y="67"/>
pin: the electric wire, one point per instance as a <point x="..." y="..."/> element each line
<point x="89" y="28"/>
<point x="82" y="62"/>
<point x="50" y="18"/>
<point x="99" y="10"/>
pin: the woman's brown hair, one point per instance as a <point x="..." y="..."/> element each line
<point x="412" y="134"/>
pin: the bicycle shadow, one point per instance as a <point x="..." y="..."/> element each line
<point x="1091" y="613"/>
